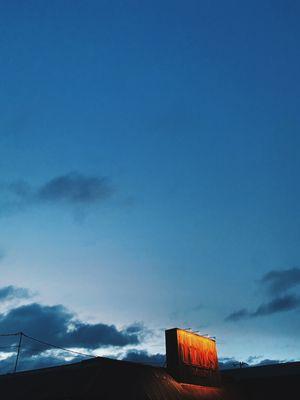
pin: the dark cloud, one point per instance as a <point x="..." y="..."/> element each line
<point x="10" y="292"/>
<point x="228" y="363"/>
<point x="140" y="329"/>
<point x="142" y="356"/>
<point x="59" y="326"/>
<point x="133" y="328"/>
<point x="268" y="361"/>
<point x="237" y="315"/>
<point x="252" y="361"/>
<point x="100" y="335"/>
<point x="72" y="189"/>
<point x="278" y="281"/>
<point x="279" y="304"/>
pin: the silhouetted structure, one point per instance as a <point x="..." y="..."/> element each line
<point x="107" y="379"/>
<point x="100" y="378"/>
<point x="278" y="381"/>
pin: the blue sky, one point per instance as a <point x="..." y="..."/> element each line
<point x="185" y="115"/>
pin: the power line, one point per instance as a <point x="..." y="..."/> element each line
<point x="10" y="334"/>
<point x="45" y="343"/>
<point x="78" y="353"/>
<point x="58" y="347"/>
<point x="18" y="347"/>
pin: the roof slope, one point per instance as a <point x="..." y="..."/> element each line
<point x="101" y="378"/>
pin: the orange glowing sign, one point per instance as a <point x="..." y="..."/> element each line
<point x="196" y="350"/>
<point x="192" y="358"/>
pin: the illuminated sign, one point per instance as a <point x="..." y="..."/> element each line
<point x="192" y="358"/>
<point x="197" y="350"/>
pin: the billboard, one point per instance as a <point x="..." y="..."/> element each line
<point x="192" y="358"/>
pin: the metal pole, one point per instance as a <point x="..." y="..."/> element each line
<point x="18" y="353"/>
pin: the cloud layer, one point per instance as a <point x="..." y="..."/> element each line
<point x="276" y="283"/>
<point x="279" y="304"/>
<point x="10" y="292"/>
<point x="57" y="325"/>
<point x="252" y="361"/>
<point x="75" y="189"/>
<point x="72" y="188"/>
<point x="142" y="356"/>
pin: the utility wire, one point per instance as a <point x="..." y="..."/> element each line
<point x="22" y="334"/>
<point x="58" y="347"/>
<point x="46" y="343"/>
<point x="18" y="347"/>
<point x="10" y="334"/>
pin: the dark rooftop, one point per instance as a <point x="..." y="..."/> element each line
<point x="265" y="371"/>
<point x="101" y="378"/>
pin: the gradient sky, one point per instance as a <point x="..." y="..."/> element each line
<point x="189" y="112"/>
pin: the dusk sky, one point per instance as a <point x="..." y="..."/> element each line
<point x="149" y="172"/>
